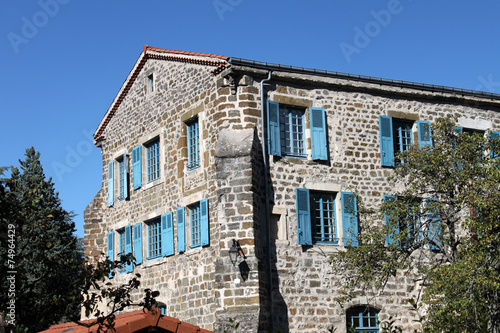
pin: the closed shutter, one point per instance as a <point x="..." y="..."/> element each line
<point x="137" y="167"/>
<point x="386" y="141"/>
<point x="349" y="219"/>
<point x="128" y="247"/>
<point x="433" y="224"/>
<point x="167" y="235"/>
<point x="111" y="249"/>
<point x="318" y="134"/>
<point x="273" y="128"/>
<point x="181" y="231"/>
<point x="394" y="231"/>
<point x="204" y="222"/>
<point x="424" y="133"/>
<point x="110" y="183"/>
<point x="303" y="216"/>
<point x="138" y="243"/>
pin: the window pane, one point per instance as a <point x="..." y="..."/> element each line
<point x="153" y="161"/>
<point x="193" y="145"/>
<point x="292" y="131"/>
<point x="195" y="225"/>
<point x="323" y="217"/>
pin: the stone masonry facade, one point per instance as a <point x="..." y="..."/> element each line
<point x="281" y="284"/>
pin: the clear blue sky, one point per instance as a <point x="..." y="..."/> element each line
<point x="63" y="61"/>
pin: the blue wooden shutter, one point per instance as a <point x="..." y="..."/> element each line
<point x="273" y="128"/>
<point x="137" y="167"/>
<point x="424" y="133"/>
<point x="138" y="243"/>
<point x="125" y="177"/>
<point x="204" y="222"/>
<point x="110" y="184"/>
<point x="386" y="141"/>
<point x="394" y="231"/>
<point x="128" y="247"/>
<point x="349" y="218"/>
<point x="167" y="235"/>
<point x="318" y="134"/>
<point x="111" y="249"/>
<point x="433" y="225"/>
<point x="303" y="216"/>
<point x="494" y="147"/>
<point x="181" y="231"/>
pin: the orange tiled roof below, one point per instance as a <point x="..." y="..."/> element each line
<point x="131" y="322"/>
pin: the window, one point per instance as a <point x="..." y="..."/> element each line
<point x="494" y="144"/>
<point x="198" y="220"/>
<point x="362" y="319"/>
<point x="316" y="217"/>
<point x="150" y="83"/>
<point x="111" y="249"/>
<point x="193" y="144"/>
<point x="122" y="176"/>
<point x="125" y="246"/>
<point x="286" y="131"/>
<point x="122" y="181"/>
<point x="154" y="239"/>
<point x="396" y="136"/>
<point x="163" y="309"/>
<point x="153" y="160"/>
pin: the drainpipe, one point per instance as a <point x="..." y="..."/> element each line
<point x="266" y="190"/>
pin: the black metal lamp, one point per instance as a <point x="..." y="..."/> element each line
<point x="235" y="251"/>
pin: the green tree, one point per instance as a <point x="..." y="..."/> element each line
<point x="442" y="229"/>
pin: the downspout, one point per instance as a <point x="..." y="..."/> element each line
<point x="266" y="190"/>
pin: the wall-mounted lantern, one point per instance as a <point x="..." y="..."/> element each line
<point x="235" y="251"/>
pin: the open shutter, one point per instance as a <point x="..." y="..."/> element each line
<point x="273" y="128"/>
<point x="181" y="231"/>
<point x="386" y="141"/>
<point x="389" y="238"/>
<point x="138" y="243"/>
<point x="349" y="218"/>
<point x="137" y="167"/>
<point x="128" y="247"/>
<point x="318" y="134"/>
<point x="433" y="224"/>
<point x="424" y="133"/>
<point x="111" y="249"/>
<point x="167" y="235"/>
<point x="204" y="222"/>
<point x="303" y="216"/>
<point x="110" y="183"/>
<point x="125" y="177"/>
<point x="494" y="147"/>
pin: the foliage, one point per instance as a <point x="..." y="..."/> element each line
<point x="442" y="230"/>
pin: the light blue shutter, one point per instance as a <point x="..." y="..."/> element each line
<point x="181" y="231"/>
<point x="167" y="235"/>
<point x="128" y="247"/>
<point x="424" y="133"/>
<point x="349" y="218"/>
<point x="111" y="249"/>
<point x="318" y="134"/>
<point x="204" y="222"/>
<point x="494" y="147"/>
<point x="303" y="216"/>
<point x="273" y="128"/>
<point x="110" y="183"/>
<point x="386" y="141"/>
<point x="137" y="167"/>
<point x="138" y="243"/>
<point x="433" y="225"/>
<point x="395" y="230"/>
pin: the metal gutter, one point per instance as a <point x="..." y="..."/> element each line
<point x="362" y="78"/>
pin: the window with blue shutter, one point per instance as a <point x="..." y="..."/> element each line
<point x="181" y="231"/>
<point x="195" y="223"/>
<point x="110" y="184"/>
<point x="129" y="267"/>
<point x="167" y="234"/>
<point x="111" y="249"/>
<point x="323" y="220"/>
<point x="393" y="231"/>
<point x="433" y="224"/>
<point x="137" y="167"/>
<point x="362" y="319"/>
<point x="153" y="160"/>
<point x="494" y="144"/>
<point x="193" y="136"/>
<point x="154" y="239"/>
<point x="303" y="216"/>
<point x="273" y="129"/>
<point x="204" y="223"/>
<point x="122" y="178"/>
<point x="349" y="219"/>
<point x="386" y="141"/>
<point x="318" y="134"/>
<point x="424" y="133"/>
<point x="138" y="243"/>
<point x="292" y="131"/>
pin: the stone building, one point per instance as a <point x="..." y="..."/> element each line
<point x="189" y="172"/>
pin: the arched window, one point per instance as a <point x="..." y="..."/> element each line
<point x="362" y="319"/>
